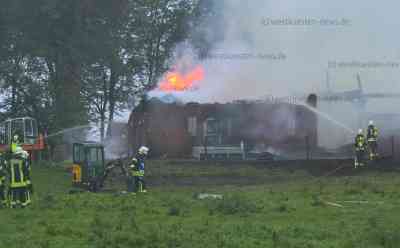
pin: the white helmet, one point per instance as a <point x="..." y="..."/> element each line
<point x="143" y="150"/>
<point x="371" y="122"/>
<point x="360" y="131"/>
<point x="21" y="152"/>
<point x="18" y="150"/>
<point x="25" y="154"/>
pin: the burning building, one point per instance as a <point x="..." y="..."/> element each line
<point x="235" y="129"/>
<point x="198" y="130"/>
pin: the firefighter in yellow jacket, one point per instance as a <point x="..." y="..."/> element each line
<point x="27" y="175"/>
<point x="18" y="193"/>
<point x="15" y="143"/>
<point x="136" y="182"/>
<point x="3" y="173"/>
<point x="360" y="148"/>
<point x="372" y="140"/>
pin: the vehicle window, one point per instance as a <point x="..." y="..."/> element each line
<point x="30" y="128"/>
<point x="35" y="128"/>
<point x="76" y="154"/>
<point x="92" y="155"/>
<point x="2" y="134"/>
<point x="8" y="131"/>
<point x="81" y="153"/>
<point x="17" y="126"/>
<point x="99" y="154"/>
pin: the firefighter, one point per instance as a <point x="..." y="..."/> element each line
<point x="136" y="181"/>
<point x="3" y="193"/>
<point x="15" y="143"/>
<point x="27" y="174"/>
<point x="372" y="136"/>
<point x="360" y="147"/>
<point x="18" y="193"/>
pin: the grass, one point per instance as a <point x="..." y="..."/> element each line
<point x="290" y="210"/>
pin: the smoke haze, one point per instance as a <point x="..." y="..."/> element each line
<point x="290" y="47"/>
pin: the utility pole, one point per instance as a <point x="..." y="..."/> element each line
<point x="362" y="102"/>
<point x="328" y="83"/>
<point x="307" y="139"/>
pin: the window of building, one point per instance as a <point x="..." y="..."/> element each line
<point x="192" y="126"/>
<point x="211" y="131"/>
<point x="292" y="126"/>
<point x="229" y="127"/>
<point x="212" y="126"/>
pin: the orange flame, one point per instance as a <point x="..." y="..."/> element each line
<point x="175" y="81"/>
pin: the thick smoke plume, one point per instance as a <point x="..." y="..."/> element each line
<point x="287" y="48"/>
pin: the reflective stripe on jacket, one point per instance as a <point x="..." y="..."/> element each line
<point x="137" y="167"/>
<point x="372" y="133"/>
<point x="16" y="170"/>
<point x="14" y="146"/>
<point x="139" y="173"/>
<point x="360" y="142"/>
<point x="2" y="174"/>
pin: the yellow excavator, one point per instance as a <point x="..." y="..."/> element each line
<point x="89" y="170"/>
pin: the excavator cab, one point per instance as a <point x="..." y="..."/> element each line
<point x="25" y="127"/>
<point x="89" y="168"/>
<point x="27" y="130"/>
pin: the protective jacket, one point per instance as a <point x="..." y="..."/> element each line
<point x="3" y="195"/>
<point x="2" y="172"/>
<point x="137" y="166"/>
<point x="372" y="133"/>
<point x="360" y="142"/>
<point x="14" y="146"/>
<point x="16" y="168"/>
<point x="27" y="175"/>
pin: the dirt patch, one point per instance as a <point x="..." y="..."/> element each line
<point x="205" y="180"/>
<point x="273" y="172"/>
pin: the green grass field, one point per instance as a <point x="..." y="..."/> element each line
<point x="289" y="209"/>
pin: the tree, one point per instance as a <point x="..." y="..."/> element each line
<point x="70" y="62"/>
<point x="140" y="44"/>
<point x="157" y="28"/>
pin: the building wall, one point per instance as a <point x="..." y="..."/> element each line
<point x="171" y="130"/>
<point x="162" y="127"/>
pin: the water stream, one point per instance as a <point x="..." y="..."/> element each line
<point x="329" y="118"/>
<point x="69" y="130"/>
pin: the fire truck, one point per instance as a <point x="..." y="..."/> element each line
<point x="26" y="128"/>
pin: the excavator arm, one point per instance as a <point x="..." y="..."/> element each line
<point x="110" y="166"/>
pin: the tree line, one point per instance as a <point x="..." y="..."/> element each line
<point x="68" y="63"/>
